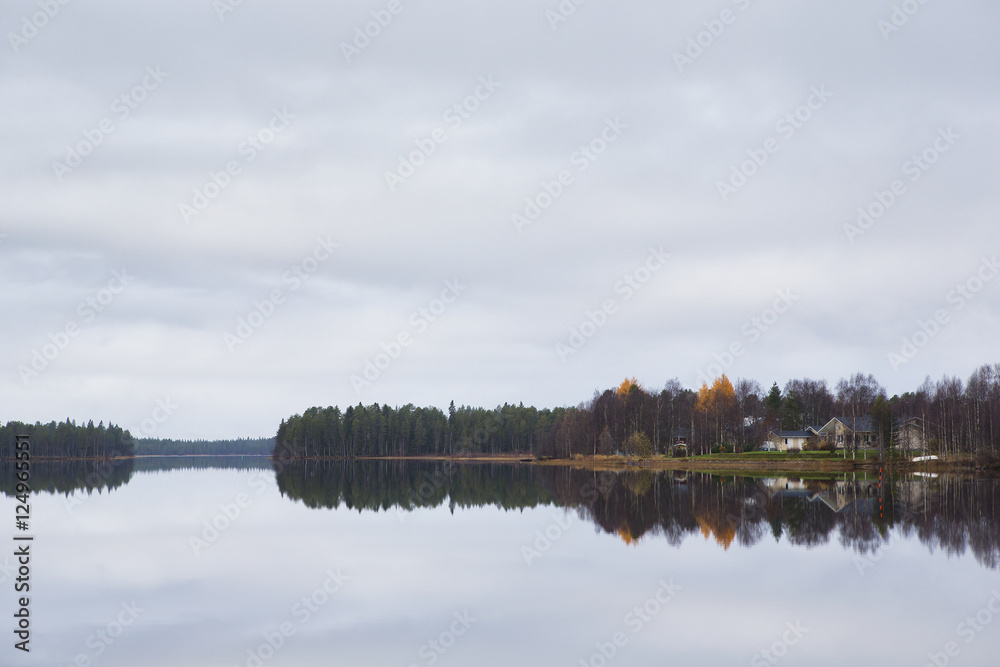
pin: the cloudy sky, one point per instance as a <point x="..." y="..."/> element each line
<point x="240" y="210"/>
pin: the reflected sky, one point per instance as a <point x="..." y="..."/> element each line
<point x="448" y="585"/>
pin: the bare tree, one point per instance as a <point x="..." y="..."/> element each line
<point x="750" y="400"/>
<point x="855" y="396"/>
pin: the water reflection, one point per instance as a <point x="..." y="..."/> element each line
<point x="66" y="477"/>
<point x="953" y="514"/>
<point x="419" y="543"/>
<point x="947" y="513"/>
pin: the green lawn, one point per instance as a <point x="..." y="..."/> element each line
<point x="840" y="454"/>
<point x="769" y="455"/>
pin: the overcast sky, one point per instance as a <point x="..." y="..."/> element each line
<point x="169" y="168"/>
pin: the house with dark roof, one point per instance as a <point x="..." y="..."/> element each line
<point x="785" y="440"/>
<point x="913" y="434"/>
<point x="837" y="495"/>
<point x="844" y="431"/>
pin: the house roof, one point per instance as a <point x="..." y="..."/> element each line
<point x="860" y="424"/>
<point x="792" y="434"/>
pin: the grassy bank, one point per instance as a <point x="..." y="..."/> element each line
<point x="747" y="464"/>
<point x="774" y="462"/>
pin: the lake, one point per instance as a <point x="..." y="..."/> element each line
<point x="210" y="562"/>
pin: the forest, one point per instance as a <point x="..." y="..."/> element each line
<point x="959" y="417"/>
<point x="240" y="446"/>
<point x="68" y="440"/>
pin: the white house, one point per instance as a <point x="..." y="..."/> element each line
<point x="785" y="440"/>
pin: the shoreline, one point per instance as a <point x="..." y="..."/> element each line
<point x="726" y="463"/>
<point x="731" y="463"/>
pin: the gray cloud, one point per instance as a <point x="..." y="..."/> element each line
<point x="324" y="175"/>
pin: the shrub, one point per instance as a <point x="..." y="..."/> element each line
<point x="639" y="444"/>
<point x="794" y="450"/>
<point x="820" y="446"/>
<point x="987" y="460"/>
<point x="717" y="449"/>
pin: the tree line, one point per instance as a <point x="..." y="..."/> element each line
<point x="384" y="431"/>
<point x="67" y="440"/>
<point x="168" y="447"/>
<point x="956" y="416"/>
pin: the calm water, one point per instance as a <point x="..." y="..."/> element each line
<point x="396" y="564"/>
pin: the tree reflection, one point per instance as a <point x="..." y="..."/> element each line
<point x="953" y="514"/>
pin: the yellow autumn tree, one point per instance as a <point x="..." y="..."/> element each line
<point x="625" y="533"/>
<point x="718" y="406"/>
<point x="704" y="401"/>
<point x="626" y="386"/>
